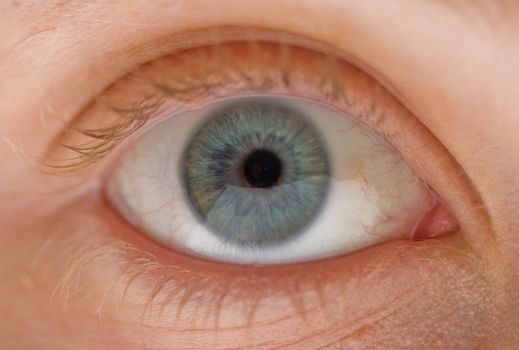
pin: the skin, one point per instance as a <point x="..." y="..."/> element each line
<point x="451" y="63"/>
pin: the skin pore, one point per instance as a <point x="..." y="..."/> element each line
<point x="71" y="280"/>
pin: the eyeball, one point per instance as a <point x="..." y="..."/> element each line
<point x="266" y="180"/>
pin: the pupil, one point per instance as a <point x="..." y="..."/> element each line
<point x="262" y="169"/>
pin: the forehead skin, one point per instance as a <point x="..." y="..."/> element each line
<point x="454" y="64"/>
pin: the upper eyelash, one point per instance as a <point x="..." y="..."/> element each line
<point x="99" y="142"/>
<point x="103" y="140"/>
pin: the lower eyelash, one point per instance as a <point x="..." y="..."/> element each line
<point x="170" y="289"/>
<point x="167" y="294"/>
<point x="134" y="279"/>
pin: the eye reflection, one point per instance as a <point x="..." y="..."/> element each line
<point x="267" y="180"/>
<point x="257" y="174"/>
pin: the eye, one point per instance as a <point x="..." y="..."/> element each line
<point x="267" y="180"/>
<point x="263" y="154"/>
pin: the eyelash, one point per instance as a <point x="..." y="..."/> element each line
<point x="91" y="144"/>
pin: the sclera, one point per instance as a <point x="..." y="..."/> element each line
<point x="373" y="196"/>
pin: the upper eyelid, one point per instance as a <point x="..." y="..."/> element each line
<point x="133" y="116"/>
<point x="176" y="42"/>
<point x="101" y="72"/>
<point x="354" y="15"/>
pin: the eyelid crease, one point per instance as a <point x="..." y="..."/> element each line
<point x="124" y="119"/>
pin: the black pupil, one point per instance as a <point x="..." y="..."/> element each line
<point x="262" y="169"/>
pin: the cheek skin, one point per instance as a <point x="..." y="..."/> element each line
<point x="82" y="285"/>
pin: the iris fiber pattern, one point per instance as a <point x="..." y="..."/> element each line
<point x="246" y="139"/>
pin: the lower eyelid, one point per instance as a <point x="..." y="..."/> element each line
<point x="168" y="295"/>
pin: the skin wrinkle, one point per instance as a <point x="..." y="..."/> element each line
<point x="371" y="323"/>
<point x="42" y="19"/>
<point x="417" y="86"/>
<point x="27" y="41"/>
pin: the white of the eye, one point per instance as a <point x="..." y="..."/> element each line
<point x="373" y="194"/>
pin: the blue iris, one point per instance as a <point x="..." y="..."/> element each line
<point x="256" y="173"/>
